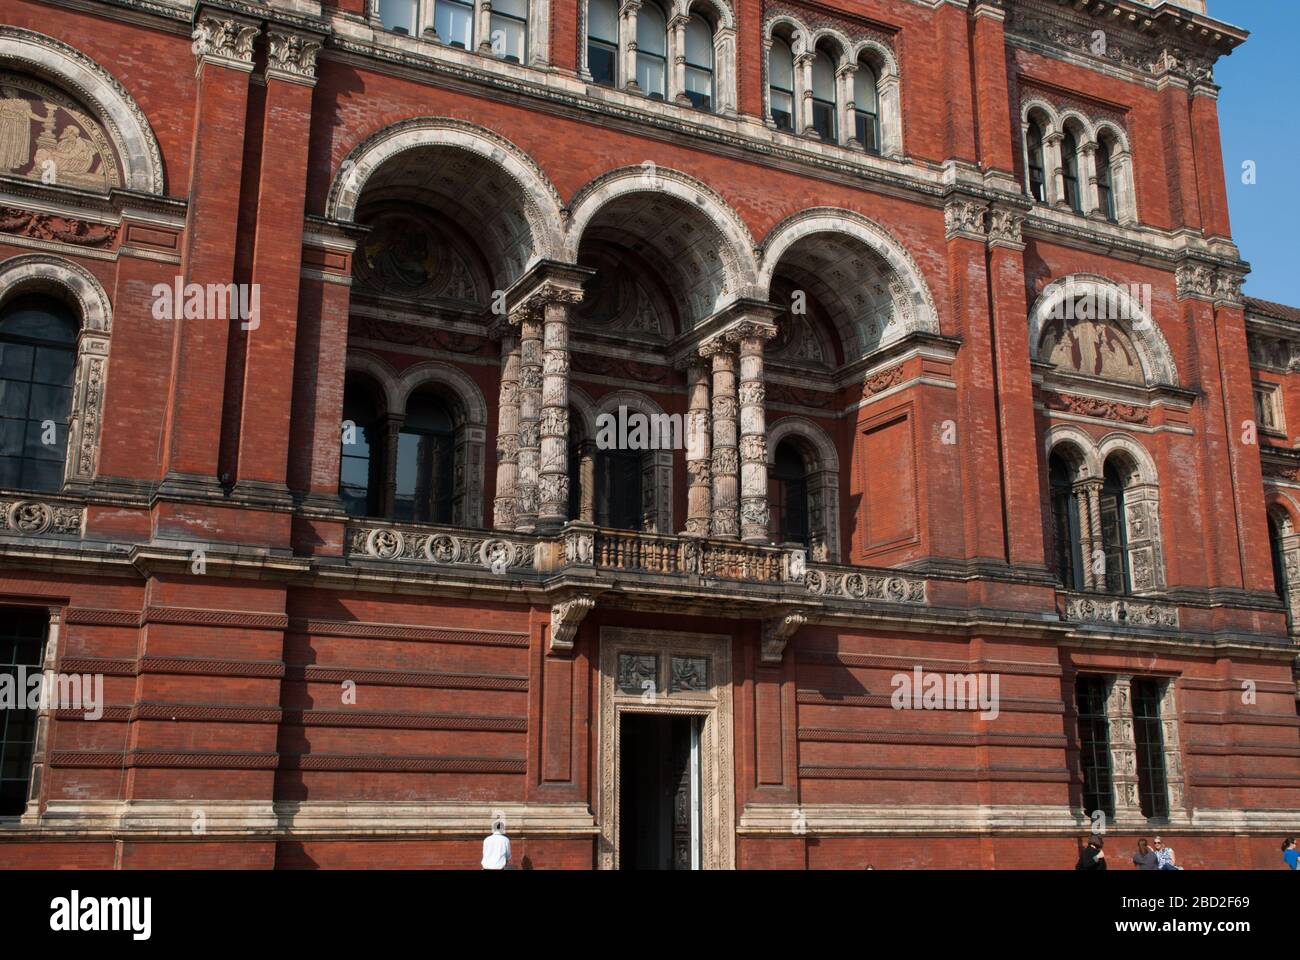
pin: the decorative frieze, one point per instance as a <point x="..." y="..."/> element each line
<point x="35" y="518"/>
<point x="848" y="583"/>
<point x="56" y="229"/>
<point x="489" y="552"/>
<point x="1120" y="612"/>
<point x="1096" y="407"/>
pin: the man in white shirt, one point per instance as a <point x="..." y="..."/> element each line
<point x="496" y="848"/>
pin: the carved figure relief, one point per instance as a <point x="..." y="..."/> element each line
<point x="1095" y="348"/>
<point x="46" y="136"/>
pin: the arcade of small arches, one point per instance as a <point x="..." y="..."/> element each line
<point x="1075" y="163"/>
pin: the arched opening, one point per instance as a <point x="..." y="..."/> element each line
<point x="38" y="346"/>
<point x="425" y="478"/>
<point x="780" y="75"/>
<point x="652" y="50"/>
<point x="866" y="107"/>
<point x="1067" y="539"/>
<point x="699" y="62"/>
<point x="1114" y="529"/>
<point x="824" y="111"/>
<point x="602" y="41"/>
<point x="788" y="496"/>
<point x="1037" y="165"/>
<point x="1070" y="170"/>
<point x="361" y="462"/>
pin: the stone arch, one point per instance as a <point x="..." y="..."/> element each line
<point x="1037" y="105"/>
<point x="888" y="93"/>
<point x="124" y="122"/>
<point x="823" y="482"/>
<point x="1081" y="450"/>
<point x="505" y="168"/>
<point x="911" y="305"/>
<point x="1140" y="460"/>
<point x="798" y="31"/>
<point x="472" y="436"/>
<point x="381" y="373"/>
<point x="724" y="18"/>
<point x="1071" y="117"/>
<point x="656" y="465"/>
<point x="1153" y="351"/>
<point x="714" y="257"/>
<point x="586" y="411"/>
<point x="841" y="41"/>
<point x="69" y="280"/>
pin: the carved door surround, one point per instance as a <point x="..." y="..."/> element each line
<point x="684" y="695"/>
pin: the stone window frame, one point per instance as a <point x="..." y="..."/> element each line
<point x="74" y="284"/>
<point x="539" y="28"/>
<point x="1122" y="746"/>
<point x="880" y="56"/>
<point x="1268" y="397"/>
<point x="721" y="17"/>
<point x="1282" y="510"/>
<point x="823" y="475"/>
<point x="472" y="419"/>
<point x="1088" y="131"/>
<point x="1087" y="456"/>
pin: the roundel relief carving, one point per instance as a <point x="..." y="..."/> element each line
<point x="406" y="256"/>
<point x="46" y="136"/>
<point x="1095" y="348"/>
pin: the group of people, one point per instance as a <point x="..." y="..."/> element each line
<point x="1148" y="856"/>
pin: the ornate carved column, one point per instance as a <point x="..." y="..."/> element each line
<point x="587" y="482"/>
<point x="392" y="433"/>
<point x="1174" y="775"/>
<point x="504" y="505"/>
<point x="1088" y="177"/>
<point x="749" y="338"/>
<point x="725" y="520"/>
<point x="676" y="79"/>
<point x="41" y="745"/>
<point x="699" y="495"/>
<point x="530" y="416"/>
<point x="483" y="25"/>
<point x="803" y="95"/>
<point x="553" y="479"/>
<point x="1123" y="748"/>
<point x="844" y="98"/>
<point x="627" y="44"/>
<point x="1088" y="493"/>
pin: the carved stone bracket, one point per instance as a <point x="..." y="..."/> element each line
<point x="566" y="617"/>
<point x="778" y="631"/>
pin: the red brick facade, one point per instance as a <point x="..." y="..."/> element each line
<point x="287" y="686"/>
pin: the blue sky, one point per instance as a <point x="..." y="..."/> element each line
<point x="1259" y="121"/>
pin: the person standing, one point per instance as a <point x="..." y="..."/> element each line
<point x="1289" y="853"/>
<point x="1092" y="858"/>
<point x="496" y="848"/>
<point x="1165" y="855"/>
<point x="1145" y="858"/>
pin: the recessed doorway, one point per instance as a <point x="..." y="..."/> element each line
<point x="659" y="791"/>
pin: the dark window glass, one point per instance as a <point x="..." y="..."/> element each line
<point x="602" y="41"/>
<point x="22" y="643"/>
<point x="1279" y="566"/>
<point x="399" y="16"/>
<point x="426" y="453"/>
<point x="823" y="104"/>
<point x="699" y="62"/>
<point x="1152" y="795"/>
<point x="454" y="22"/>
<point x="1070" y="171"/>
<point x="37" y="353"/>
<point x="790" y="498"/>
<point x="780" y="69"/>
<point x="1094" y="744"/>
<point x="1065" y="526"/>
<point x="866" y="108"/>
<point x="1114" y="532"/>
<point x="618" y="482"/>
<point x="651" y="51"/>
<point x="1105" y="195"/>
<point x="509" y="30"/>
<point x="360" y="465"/>
<point x="1037" y="176"/>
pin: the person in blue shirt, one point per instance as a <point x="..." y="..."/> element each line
<point x="1289" y="853"/>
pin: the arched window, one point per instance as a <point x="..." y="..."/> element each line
<point x="823" y="104"/>
<point x="866" y="107"/>
<point x="454" y="22"/>
<point x="602" y="41"/>
<point x="618" y="489"/>
<point x="1114" y="531"/>
<point x="651" y="50"/>
<point x="361" y="460"/>
<point x="1066" y="539"/>
<point x="38" y="342"/>
<point x="509" y="23"/>
<point x="699" y="62"/>
<point x="426" y="462"/>
<point x="400" y="16"/>
<point x="780" y="72"/>
<point x="1105" y="194"/>
<point x="1070" y="171"/>
<point x="1037" y="169"/>
<point x="789" y="496"/>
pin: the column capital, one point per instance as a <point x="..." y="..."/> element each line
<point x="291" y="56"/>
<point x="548" y="281"/>
<point x="224" y="39"/>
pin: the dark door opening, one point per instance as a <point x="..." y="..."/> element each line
<point x="659" y="792"/>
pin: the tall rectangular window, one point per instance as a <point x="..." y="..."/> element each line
<point x="602" y="41"/>
<point x="1094" y="744"/>
<point x="454" y="22"/>
<point x="22" y="644"/>
<point x="510" y="30"/>
<point x="1153" y="794"/>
